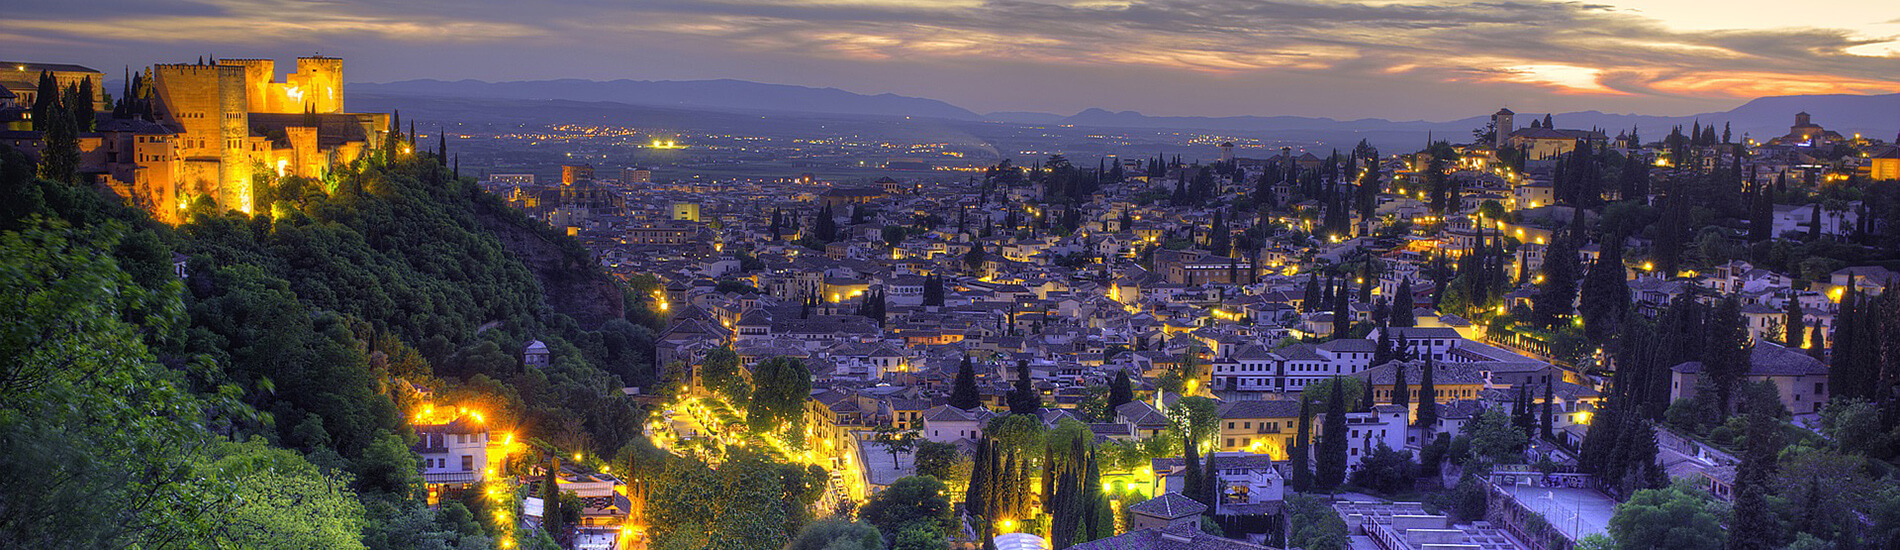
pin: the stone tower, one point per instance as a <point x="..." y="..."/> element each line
<point x="258" y="75"/>
<point x="209" y="103"/>
<point x="322" y="80"/>
<point x="1506" y="122"/>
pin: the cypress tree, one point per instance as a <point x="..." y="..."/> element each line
<point x="1726" y="360"/>
<point x="1311" y="300"/>
<point x="1753" y="525"/>
<point x="1302" y="448"/>
<point x="1191" y="474"/>
<point x="1024" y="399"/>
<point x="1402" y="305"/>
<point x="59" y="150"/>
<point x="1606" y="293"/>
<point x="441" y="147"/>
<point x="1401" y="392"/>
<point x="963" y="393"/>
<point x="1427" y="399"/>
<point x="1549" y="399"/>
<point x="1120" y="392"/>
<point x="82" y="106"/>
<point x="1557" y="295"/>
<point x="1521" y="413"/>
<point x="45" y="100"/>
<point x="1342" y="315"/>
<point x="1330" y="470"/>
<point x="1791" y="324"/>
<point x="1210" y="482"/>
<point x="1365" y="397"/>
<point x="1816" y="349"/>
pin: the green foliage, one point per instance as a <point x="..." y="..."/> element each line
<point x="781" y="386"/>
<point x="742" y="505"/>
<point x="837" y="534"/>
<point x="1313" y="525"/>
<point x="1385" y="470"/>
<point x="942" y="461"/>
<point x="1671" y="517"/>
<point x="1352" y="390"/>
<point x="1194" y="417"/>
<point x="1494" y="438"/>
<point x="963" y="394"/>
<point x="1329" y="466"/>
<point x="914" y="502"/>
<point x="721" y="373"/>
<point x="918" y="537"/>
<point x="276" y="499"/>
<point x="89" y="414"/>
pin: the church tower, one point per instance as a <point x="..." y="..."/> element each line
<point x="1505" y="122"/>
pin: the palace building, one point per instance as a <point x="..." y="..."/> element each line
<point x="213" y="126"/>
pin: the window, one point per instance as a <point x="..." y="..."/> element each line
<point x="1820" y="387"/>
<point x="468" y="463"/>
<point x="1230" y="442"/>
<point x="1247" y="425"/>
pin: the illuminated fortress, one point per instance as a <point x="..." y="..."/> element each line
<point x="214" y="126"/>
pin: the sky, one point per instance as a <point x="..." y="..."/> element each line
<point x="1402" y="60"/>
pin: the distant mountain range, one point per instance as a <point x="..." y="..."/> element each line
<point x="1874" y="115"/>
<point x="705" y="94"/>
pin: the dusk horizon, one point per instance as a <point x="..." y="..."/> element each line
<point x="950" y="275"/>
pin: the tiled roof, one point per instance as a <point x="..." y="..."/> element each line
<point x="1169" y="506"/>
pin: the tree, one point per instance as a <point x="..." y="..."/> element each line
<point x="1427" y="399"/>
<point x="825" y="228"/>
<point x="1342" y="315"/>
<point x="1753" y="525"/>
<point x="1545" y="420"/>
<point x="913" y="501"/>
<point x="1313" y="525"/>
<point x="1302" y="448"/>
<point x="1385" y="470"/>
<point x="933" y="290"/>
<point x="1025" y="398"/>
<point x="975" y="257"/>
<point x="1557" y="295"/>
<point x="963" y="394"/>
<point x="895" y="441"/>
<point x="940" y="460"/>
<point x="1494" y="438"/>
<point x="1311" y="299"/>
<point x="1672" y="517"/>
<point x="90" y="411"/>
<point x="1330" y="470"/>
<point x="1120" y="392"/>
<point x="1401" y="392"/>
<point x="837" y="534"/>
<point x="915" y="537"/>
<point x="1402" y="305"/>
<point x="721" y="373"/>
<point x="1191" y="474"/>
<point x="1793" y="325"/>
<point x="781" y="385"/>
<point x="278" y="499"/>
<point x="1605" y="293"/>
<point x="1727" y="357"/>
<point x="59" y="147"/>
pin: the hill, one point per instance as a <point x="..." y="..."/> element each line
<point x="272" y="383"/>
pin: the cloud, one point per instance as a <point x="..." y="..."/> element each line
<point x="1571" y="48"/>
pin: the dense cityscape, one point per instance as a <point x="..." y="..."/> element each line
<point x="244" y="315"/>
